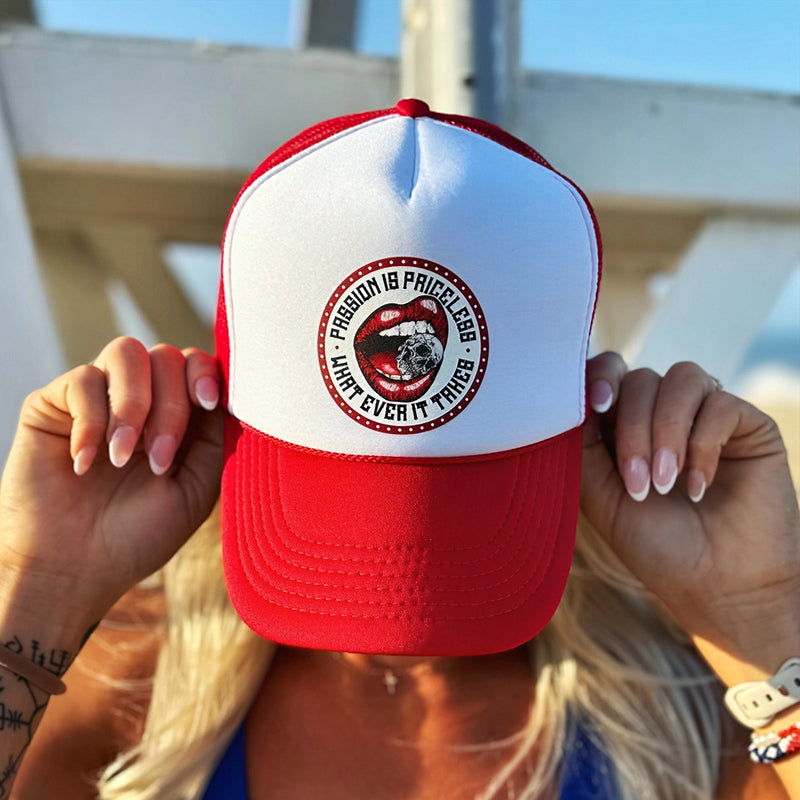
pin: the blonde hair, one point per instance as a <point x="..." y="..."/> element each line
<point x="209" y="668"/>
<point x="610" y="659"/>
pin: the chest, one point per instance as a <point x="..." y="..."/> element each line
<point x="318" y="739"/>
<point x="297" y="765"/>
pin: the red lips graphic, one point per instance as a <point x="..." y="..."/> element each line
<point x="399" y="348"/>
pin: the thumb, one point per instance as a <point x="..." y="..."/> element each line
<point x="602" y="489"/>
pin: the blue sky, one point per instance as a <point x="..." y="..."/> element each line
<point x="741" y="43"/>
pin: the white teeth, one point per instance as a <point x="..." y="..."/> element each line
<point x="409" y="328"/>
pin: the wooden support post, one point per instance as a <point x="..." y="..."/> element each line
<point x="133" y="254"/>
<point x="326" y="23"/>
<point x="77" y="287"/>
<point x="31" y="352"/>
<point x="462" y="56"/>
<point x="725" y="287"/>
<point x="17" y="11"/>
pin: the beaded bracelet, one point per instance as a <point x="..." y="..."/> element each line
<point x="767" y="748"/>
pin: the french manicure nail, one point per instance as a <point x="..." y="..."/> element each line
<point x="637" y="478"/>
<point x="84" y="460"/>
<point x="207" y="391"/>
<point x="162" y="451"/>
<point x="600" y="396"/>
<point x="696" y="485"/>
<point x="665" y="470"/>
<point x="122" y="444"/>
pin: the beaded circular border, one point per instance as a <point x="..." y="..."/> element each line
<point x="436" y="269"/>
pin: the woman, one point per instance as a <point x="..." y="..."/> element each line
<point x="116" y="464"/>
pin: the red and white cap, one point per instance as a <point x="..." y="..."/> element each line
<point x="403" y="324"/>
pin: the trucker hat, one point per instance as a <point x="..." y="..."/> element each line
<point x="403" y="323"/>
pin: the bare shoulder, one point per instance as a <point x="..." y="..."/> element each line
<point x="103" y="710"/>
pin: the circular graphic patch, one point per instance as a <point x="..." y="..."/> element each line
<point x="403" y="345"/>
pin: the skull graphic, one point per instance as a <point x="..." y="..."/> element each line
<point x="419" y="354"/>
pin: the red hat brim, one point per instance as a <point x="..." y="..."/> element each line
<point x="436" y="557"/>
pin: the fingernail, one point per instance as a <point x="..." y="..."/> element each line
<point x="600" y="396"/>
<point x="84" y="460"/>
<point x="162" y="451"/>
<point x="122" y="444"/>
<point x="696" y="485"/>
<point x="207" y="391"/>
<point x="637" y="478"/>
<point x="665" y="470"/>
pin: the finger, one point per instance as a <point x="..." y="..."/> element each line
<point x="126" y="364"/>
<point x="87" y="402"/>
<point x="602" y="488"/>
<point x="198" y="467"/>
<point x="202" y="378"/>
<point x="604" y="374"/>
<point x="680" y="396"/>
<point x="716" y="421"/>
<point x="632" y="436"/>
<point x="170" y="408"/>
<point x="74" y="406"/>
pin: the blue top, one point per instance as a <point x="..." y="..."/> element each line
<point x="587" y="773"/>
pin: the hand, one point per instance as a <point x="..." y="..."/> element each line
<point x="113" y="466"/>
<point x="691" y="488"/>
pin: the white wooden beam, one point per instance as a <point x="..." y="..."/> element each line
<point x="724" y="288"/>
<point x="31" y="353"/>
<point x="190" y="106"/>
<point x="625" y="141"/>
<point x="177" y="205"/>
<point x="175" y="104"/>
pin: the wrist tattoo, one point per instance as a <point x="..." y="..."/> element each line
<point x="22" y="704"/>
<point x="54" y="660"/>
<point x="21" y="707"/>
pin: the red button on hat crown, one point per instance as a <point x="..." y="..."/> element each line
<point x="411" y="107"/>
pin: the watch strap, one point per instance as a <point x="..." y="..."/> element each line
<point x="756" y="703"/>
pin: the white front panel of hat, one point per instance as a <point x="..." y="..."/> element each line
<point x="514" y="232"/>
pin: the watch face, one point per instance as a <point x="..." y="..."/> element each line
<point x="403" y="345"/>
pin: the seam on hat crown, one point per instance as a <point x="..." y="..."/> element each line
<point x="415" y="164"/>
